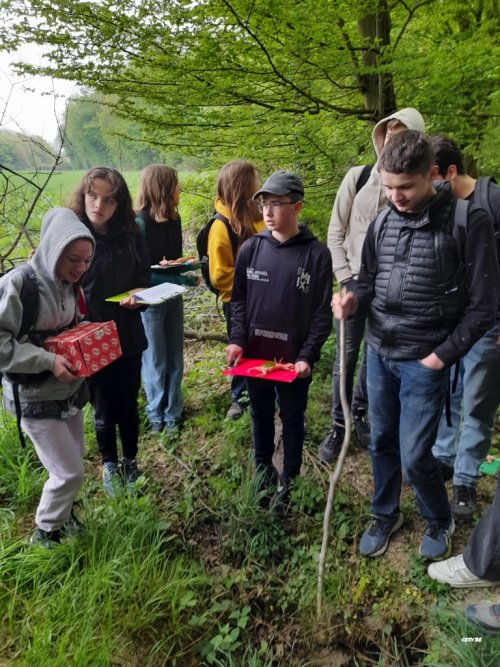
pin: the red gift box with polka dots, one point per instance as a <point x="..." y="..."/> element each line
<point x="89" y="346"/>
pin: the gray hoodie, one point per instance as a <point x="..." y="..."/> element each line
<point x="352" y="213"/>
<point x="57" y="308"/>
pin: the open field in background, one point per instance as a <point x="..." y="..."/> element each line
<point x="17" y="198"/>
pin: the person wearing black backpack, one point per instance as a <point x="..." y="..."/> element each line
<point x="238" y="219"/>
<point x="49" y="397"/>
<point x="462" y="447"/>
<point x="359" y="199"/>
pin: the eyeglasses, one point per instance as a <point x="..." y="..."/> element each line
<point x="274" y="204"/>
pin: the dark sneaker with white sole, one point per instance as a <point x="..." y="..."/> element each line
<point x="376" y="537"/>
<point x="436" y="541"/>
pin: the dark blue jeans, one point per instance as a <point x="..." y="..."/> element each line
<point x="405" y="405"/>
<point x="292" y="406"/>
<point x="238" y="383"/>
<point x="354" y="333"/>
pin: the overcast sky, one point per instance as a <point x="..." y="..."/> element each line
<point x="31" y="104"/>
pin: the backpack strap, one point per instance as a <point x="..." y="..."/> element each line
<point x="30" y="299"/>
<point x="482" y="196"/>
<point x="231" y="233"/>
<point x="363" y="177"/>
<point x="459" y="229"/>
<point x="379" y="221"/>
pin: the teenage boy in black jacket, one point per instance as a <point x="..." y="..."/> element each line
<point x="280" y="310"/>
<point x="462" y="446"/>
<point x="430" y="297"/>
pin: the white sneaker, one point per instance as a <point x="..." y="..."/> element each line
<point x="454" y="571"/>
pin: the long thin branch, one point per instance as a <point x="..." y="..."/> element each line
<point x="335" y="474"/>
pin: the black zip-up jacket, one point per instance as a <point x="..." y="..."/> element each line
<point x="280" y="302"/>
<point x="121" y="263"/>
<point x="409" y="281"/>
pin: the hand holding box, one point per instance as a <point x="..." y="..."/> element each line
<point x="89" y="346"/>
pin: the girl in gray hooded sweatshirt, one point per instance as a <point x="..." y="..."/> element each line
<point x="50" y="405"/>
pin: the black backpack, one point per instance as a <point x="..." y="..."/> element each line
<point x="30" y="298"/>
<point x="485" y="192"/>
<point x="202" y="247"/>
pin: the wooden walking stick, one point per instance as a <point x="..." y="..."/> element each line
<point x="334" y="474"/>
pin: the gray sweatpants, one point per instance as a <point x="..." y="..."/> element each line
<point x="482" y="554"/>
<point x="59" y="444"/>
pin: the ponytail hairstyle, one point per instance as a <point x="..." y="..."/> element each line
<point x="157" y="192"/>
<point x="237" y="182"/>
<point x="123" y="219"/>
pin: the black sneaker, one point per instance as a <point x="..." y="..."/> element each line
<point x="45" y="538"/>
<point x="362" y="429"/>
<point x="331" y="444"/>
<point x="131" y="472"/>
<point x="464" y="502"/>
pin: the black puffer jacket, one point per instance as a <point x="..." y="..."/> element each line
<point x="121" y="263"/>
<point x="425" y="293"/>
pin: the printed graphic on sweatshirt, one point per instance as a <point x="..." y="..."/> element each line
<point x="276" y="335"/>
<point x="303" y="280"/>
<point x="259" y="276"/>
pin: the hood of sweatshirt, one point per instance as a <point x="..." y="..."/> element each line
<point x="60" y="227"/>
<point x="304" y="236"/>
<point x="410" y="117"/>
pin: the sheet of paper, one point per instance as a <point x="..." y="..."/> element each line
<point x="152" y="295"/>
<point x="249" y="368"/>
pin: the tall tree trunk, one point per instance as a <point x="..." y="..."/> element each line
<point x="377" y="87"/>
